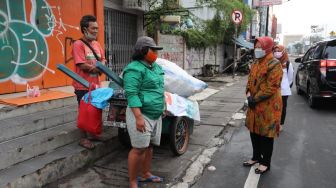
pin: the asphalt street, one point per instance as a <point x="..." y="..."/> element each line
<point x="303" y="156"/>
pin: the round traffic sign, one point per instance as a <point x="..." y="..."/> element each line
<point x="237" y="16"/>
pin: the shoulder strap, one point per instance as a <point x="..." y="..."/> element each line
<point x="93" y="51"/>
<point x="287" y="66"/>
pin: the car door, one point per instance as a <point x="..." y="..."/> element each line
<point x="304" y="67"/>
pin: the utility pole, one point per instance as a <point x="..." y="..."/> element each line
<point x="267" y="17"/>
<point x="237" y="18"/>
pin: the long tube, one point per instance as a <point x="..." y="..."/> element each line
<point x="73" y="75"/>
<point x="110" y="74"/>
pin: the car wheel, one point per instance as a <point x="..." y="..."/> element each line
<point x="179" y="136"/>
<point x="312" y="101"/>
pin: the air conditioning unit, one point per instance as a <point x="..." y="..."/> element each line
<point x="141" y="5"/>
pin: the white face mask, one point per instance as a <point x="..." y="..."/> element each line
<point x="277" y="55"/>
<point x="259" y="53"/>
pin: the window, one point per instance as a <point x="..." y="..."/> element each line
<point x="330" y="52"/>
<point x="318" y="51"/>
<point x="308" y="55"/>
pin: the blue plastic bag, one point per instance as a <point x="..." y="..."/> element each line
<point x="99" y="97"/>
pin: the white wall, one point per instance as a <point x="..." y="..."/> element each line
<point x="204" y="13"/>
<point x="191" y="60"/>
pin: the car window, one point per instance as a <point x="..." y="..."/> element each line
<point x="318" y="51"/>
<point x="308" y="55"/>
<point x="330" y="52"/>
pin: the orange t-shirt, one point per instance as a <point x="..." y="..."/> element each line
<point x="83" y="54"/>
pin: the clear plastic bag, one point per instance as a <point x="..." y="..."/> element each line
<point x="32" y="91"/>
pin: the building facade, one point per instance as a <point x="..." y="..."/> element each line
<point x="35" y="36"/>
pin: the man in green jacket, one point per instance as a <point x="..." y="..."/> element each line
<point x="144" y="86"/>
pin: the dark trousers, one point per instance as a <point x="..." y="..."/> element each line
<point x="284" y="109"/>
<point x="262" y="149"/>
<point x="80" y="94"/>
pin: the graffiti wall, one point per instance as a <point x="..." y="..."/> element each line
<point x="191" y="60"/>
<point x="36" y="35"/>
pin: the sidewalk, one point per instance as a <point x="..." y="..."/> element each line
<point x="217" y="112"/>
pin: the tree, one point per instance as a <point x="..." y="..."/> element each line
<point x="206" y="33"/>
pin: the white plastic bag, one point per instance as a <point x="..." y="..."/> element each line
<point x="177" y="80"/>
<point x="180" y="106"/>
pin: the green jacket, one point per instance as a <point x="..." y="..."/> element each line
<point x="144" y="87"/>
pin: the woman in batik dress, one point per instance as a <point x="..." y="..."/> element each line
<point x="263" y="92"/>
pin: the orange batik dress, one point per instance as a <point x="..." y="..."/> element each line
<point x="264" y="86"/>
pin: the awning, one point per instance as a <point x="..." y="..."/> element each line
<point x="243" y="43"/>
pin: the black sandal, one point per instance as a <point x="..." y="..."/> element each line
<point x="247" y="164"/>
<point x="258" y="171"/>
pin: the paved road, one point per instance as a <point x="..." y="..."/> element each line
<point x="304" y="154"/>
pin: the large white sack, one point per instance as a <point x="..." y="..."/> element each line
<point x="178" y="81"/>
<point x="180" y="106"/>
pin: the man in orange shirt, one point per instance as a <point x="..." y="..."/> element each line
<point x="85" y="59"/>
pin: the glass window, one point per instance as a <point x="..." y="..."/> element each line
<point x="318" y="51"/>
<point x="330" y="52"/>
<point x="308" y="55"/>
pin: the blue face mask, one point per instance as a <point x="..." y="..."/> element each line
<point x="259" y="53"/>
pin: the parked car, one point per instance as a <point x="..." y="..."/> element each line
<point x="316" y="74"/>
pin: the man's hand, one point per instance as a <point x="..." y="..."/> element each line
<point x="140" y="124"/>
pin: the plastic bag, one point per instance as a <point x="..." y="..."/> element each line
<point x="99" y="97"/>
<point x="180" y="106"/>
<point x="32" y="91"/>
<point x="177" y="80"/>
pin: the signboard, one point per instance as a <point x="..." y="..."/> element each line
<point x="261" y="3"/>
<point x="237" y="17"/>
<point x="316" y="28"/>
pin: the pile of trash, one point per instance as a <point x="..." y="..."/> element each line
<point x="179" y="85"/>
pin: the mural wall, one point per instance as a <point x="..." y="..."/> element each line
<point x="35" y="35"/>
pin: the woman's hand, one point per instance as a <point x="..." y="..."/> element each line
<point x="140" y="124"/>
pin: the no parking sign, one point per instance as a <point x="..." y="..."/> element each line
<point x="237" y="17"/>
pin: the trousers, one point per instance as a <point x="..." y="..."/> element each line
<point x="262" y="149"/>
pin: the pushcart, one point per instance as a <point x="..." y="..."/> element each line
<point x="178" y="129"/>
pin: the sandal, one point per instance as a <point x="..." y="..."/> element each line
<point x="249" y="163"/>
<point x="86" y="143"/>
<point x="258" y="171"/>
<point x="152" y="178"/>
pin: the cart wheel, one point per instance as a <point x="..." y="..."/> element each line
<point x="179" y="135"/>
<point x="124" y="137"/>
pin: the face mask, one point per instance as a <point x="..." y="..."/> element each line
<point x="277" y="55"/>
<point x="151" y="56"/>
<point x="89" y="36"/>
<point x="259" y="53"/>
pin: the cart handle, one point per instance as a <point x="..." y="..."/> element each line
<point x="73" y="75"/>
<point x="112" y="75"/>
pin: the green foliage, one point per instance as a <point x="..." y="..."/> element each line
<point x="206" y="33"/>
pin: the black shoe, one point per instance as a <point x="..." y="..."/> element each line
<point x="247" y="164"/>
<point x="258" y="171"/>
